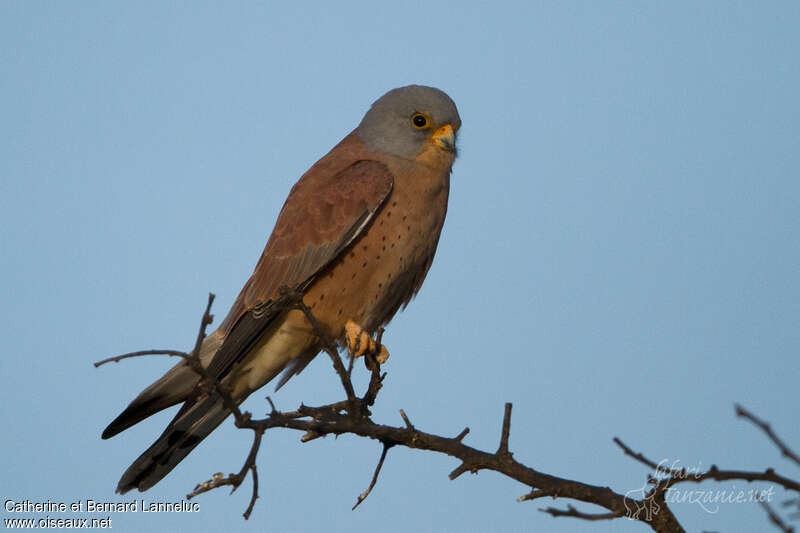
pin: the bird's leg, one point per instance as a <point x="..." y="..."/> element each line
<point x="360" y="343"/>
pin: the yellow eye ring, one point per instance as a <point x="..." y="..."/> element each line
<point x="420" y="121"/>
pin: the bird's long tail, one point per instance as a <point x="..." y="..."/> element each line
<point x="194" y="422"/>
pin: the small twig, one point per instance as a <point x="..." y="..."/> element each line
<point x="463" y="434"/>
<point x="363" y="495"/>
<point x="271" y="405"/>
<point x="776" y="519"/>
<point x="460" y="469"/>
<point x="235" y="480"/>
<point x="140" y="353"/>
<point x="254" y="496"/>
<point x="537" y="493"/>
<point x="207" y="319"/>
<point x="639" y="457"/>
<point x="408" y="423"/>
<point x="766" y="428"/>
<point x="574" y="513"/>
<point x="503" y="448"/>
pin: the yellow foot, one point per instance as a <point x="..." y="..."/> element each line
<point x="360" y="343"/>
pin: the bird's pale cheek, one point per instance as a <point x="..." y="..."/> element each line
<point x="436" y="157"/>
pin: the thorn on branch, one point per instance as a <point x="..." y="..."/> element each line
<point x="538" y="493"/>
<point x="464" y="467"/>
<point x="308" y="436"/>
<point x="502" y="450"/>
<point x="460" y="436"/>
<point x="408" y="423"/>
<point x="271" y="406"/>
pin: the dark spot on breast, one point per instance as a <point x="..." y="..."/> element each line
<point x="364" y="265"/>
<point x="388" y="214"/>
<point x="380" y="285"/>
<point x="392" y="245"/>
<point x="378" y="257"/>
<point x="365" y="247"/>
<point x="409" y="228"/>
<point x="321" y="297"/>
<point x="394" y="204"/>
<point x="353" y="276"/>
<point x="352" y="254"/>
<point x="340" y="311"/>
<point x="404" y="217"/>
<point x="383" y="238"/>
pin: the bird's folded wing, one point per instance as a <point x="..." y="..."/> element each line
<point x="322" y="216"/>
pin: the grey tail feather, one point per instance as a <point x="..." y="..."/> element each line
<point x="174" y="387"/>
<point x="194" y="422"/>
<point x="136" y="412"/>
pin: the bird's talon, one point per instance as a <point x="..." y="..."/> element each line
<point x="383" y="355"/>
<point x="353" y="337"/>
<point x="359" y="343"/>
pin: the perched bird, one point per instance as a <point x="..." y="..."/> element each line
<point x="356" y="236"/>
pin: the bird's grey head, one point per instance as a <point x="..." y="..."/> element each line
<point x="403" y="120"/>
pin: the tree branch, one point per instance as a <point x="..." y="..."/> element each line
<point x="352" y="416"/>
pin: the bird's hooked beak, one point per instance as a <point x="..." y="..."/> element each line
<point x="445" y="138"/>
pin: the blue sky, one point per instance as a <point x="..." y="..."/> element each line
<point x="620" y="257"/>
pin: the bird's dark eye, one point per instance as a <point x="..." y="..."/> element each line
<point x="419" y="121"/>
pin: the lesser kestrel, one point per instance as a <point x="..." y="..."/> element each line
<point x="356" y="235"/>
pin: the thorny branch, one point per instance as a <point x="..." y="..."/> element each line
<point x="352" y="416"/>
